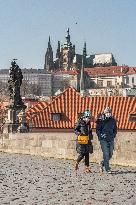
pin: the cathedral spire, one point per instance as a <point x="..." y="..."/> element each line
<point x="49" y="65"/>
<point x="68" y="31"/>
<point x="84" y="49"/>
<point x="49" y="42"/>
<point x="82" y="83"/>
<point x="68" y="52"/>
<point x="68" y="36"/>
<point x="82" y="87"/>
<point x="84" y="54"/>
<point x="58" y="55"/>
<point x="58" y="50"/>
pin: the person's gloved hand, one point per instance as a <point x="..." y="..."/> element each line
<point x="77" y="133"/>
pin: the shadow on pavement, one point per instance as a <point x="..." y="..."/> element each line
<point x="124" y="172"/>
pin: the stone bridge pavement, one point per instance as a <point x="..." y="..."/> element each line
<point x="34" y="180"/>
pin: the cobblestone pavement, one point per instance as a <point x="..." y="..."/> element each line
<point x="32" y="180"/>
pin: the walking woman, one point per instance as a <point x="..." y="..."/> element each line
<point x="84" y="136"/>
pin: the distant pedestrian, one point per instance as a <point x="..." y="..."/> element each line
<point x="106" y="130"/>
<point x="84" y="136"/>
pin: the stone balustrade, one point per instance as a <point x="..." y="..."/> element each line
<point x="62" y="145"/>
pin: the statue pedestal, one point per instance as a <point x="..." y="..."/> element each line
<point x="9" y="128"/>
<point x="22" y="120"/>
<point x="11" y="115"/>
<point x="12" y="124"/>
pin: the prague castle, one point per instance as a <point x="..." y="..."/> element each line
<point x="94" y="74"/>
<point x="67" y="58"/>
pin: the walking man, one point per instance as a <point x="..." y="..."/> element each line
<point x="106" y="130"/>
<point x="84" y="135"/>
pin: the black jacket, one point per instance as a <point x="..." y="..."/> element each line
<point x="82" y="128"/>
<point x="106" y="129"/>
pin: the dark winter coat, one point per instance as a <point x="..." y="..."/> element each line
<point x="106" y="129"/>
<point x="82" y="128"/>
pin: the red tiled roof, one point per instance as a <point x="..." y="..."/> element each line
<point x="70" y="103"/>
<point x="110" y="71"/>
<point x="133" y="112"/>
<point x="35" y="109"/>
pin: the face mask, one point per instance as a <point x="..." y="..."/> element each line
<point x="86" y="119"/>
<point x="108" y="114"/>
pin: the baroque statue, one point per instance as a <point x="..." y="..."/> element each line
<point x="15" y="82"/>
<point x="16" y="121"/>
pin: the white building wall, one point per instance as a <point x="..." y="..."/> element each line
<point x="33" y="76"/>
<point x="130" y="80"/>
<point x="115" y="80"/>
<point x="4" y="78"/>
<point x="45" y="82"/>
<point x="102" y="59"/>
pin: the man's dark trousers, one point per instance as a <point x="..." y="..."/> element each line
<point x="107" y="149"/>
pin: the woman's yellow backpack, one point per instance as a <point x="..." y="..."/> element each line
<point x="81" y="139"/>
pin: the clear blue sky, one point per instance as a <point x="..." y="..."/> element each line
<point x="106" y="26"/>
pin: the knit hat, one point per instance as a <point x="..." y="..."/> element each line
<point x="107" y="110"/>
<point x="87" y="114"/>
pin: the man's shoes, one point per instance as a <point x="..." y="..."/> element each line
<point x="76" y="166"/>
<point x="109" y="172"/>
<point x="87" y="170"/>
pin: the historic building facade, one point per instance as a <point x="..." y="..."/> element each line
<point x="97" y="81"/>
<point x="68" y="59"/>
<point x="33" y="79"/>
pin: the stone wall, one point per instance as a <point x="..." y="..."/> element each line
<point x="62" y="145"/>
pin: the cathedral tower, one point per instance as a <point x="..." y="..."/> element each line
<point x="58" y="62"/>
<point x="82" y="85"/>
<point x="67" y="52"/>
<point x="49" y="65"/>
<point x="84" y="55"/>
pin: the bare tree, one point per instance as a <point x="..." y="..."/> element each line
<point x="4" y="92"/>
<point x="28" y="89"/>
<point x="4" y="97"/>
<point x="65" y="83"/>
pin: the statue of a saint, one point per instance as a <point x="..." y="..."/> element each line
<point x="15" y="82"/>
<point x="14" y="122"/>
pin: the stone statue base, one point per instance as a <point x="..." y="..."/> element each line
<point x="10" y="128"/>
<point x="13" y="123"/>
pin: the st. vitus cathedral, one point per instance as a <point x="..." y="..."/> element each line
<point x="67" y="59"/>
